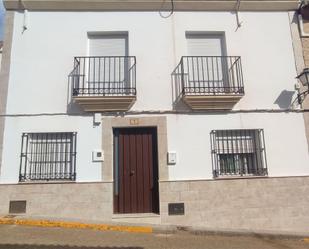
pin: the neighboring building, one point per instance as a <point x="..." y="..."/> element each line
<point x="114" y="112"/>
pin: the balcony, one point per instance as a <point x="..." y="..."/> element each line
<point x="209" y="82"/>
<point x="104" y="83"/>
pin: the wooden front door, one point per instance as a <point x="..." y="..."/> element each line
<point x="135" y="170"/>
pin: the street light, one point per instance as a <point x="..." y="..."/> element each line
<point x="304" y="79"/>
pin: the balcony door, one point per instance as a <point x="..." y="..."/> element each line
<point x="108" y="63"/>
<point x="207" y="62"/>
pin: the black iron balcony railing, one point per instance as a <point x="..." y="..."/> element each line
<point x="209" y="75"/>
<point x="104" y="76"/>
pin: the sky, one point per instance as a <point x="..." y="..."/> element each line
<point x="2" y="13"/>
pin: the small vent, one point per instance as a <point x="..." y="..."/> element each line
<point x="176" y="209"/>
<point x="17" y="207"/>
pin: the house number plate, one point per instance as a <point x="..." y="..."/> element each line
<point x="176" y="209"/>
<point x="134" y="121"/>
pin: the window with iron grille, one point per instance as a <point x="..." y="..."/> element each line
<point x="238" y="153"/>
<point x="48" y="156"/>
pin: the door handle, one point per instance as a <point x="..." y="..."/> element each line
<point x="132" y="172"/>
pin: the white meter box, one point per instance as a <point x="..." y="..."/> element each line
<point x="172" y="157"/>
<point x="97" y="156"/>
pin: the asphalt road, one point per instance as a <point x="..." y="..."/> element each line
<point x="22" y="237"/>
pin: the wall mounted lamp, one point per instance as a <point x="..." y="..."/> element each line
<point x="304" y="79"/>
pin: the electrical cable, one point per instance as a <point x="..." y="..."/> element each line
<point x="171" y="10"/>
<point x="185" y="112"/>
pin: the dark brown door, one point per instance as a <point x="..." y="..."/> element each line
<point x="135" y="171"/>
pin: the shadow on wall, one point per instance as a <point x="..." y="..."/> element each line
<point x="72" y="108"/>
<point x="27" y="246"/>
<point x="285" y="99"/>
<point x="176" y="81"/>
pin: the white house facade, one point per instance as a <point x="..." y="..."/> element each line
<point x="117" y="112"/>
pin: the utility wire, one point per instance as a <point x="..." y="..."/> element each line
<point x="185" y="112"/>
<point x="171" y="12"/>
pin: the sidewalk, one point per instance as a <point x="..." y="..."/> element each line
<point x="38" y="221"/>
<point x="31" y="237"/>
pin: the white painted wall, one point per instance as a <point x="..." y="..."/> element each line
<point x="42" y="58"/>
<point x="88" y="139"/>
<point x="189" y="136"/>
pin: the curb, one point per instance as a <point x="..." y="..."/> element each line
<point x="76" y="225"/>
<point x="202" y="231"/>
<point x="265" y="234"/>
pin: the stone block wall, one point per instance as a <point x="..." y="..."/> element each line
<point x="61" y="200"/>
<point x="273" y="204"/>
<point x="278" y="204"/>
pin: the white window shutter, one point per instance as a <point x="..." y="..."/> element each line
<point x="205" y="45"/>
<point x="105" y="45"/>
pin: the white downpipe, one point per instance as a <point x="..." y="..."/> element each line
<point x="237" y="14"/>
<point x="23" y="8"/>
<point x="25" y="22"/>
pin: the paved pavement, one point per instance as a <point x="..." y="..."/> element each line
<point x="24" y="237"/>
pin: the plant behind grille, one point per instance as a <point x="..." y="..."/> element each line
<point x="48" y="156"/>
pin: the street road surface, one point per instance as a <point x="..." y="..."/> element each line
<point x="23" y="237"/>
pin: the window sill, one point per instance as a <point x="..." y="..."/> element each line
<point x="238" y="177"/>
<point x="47" y="182"/>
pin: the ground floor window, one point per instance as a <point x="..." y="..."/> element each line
<point x="238" y="153"/>
<point x="48" y="156"/>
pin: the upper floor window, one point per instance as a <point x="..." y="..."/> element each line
<point x="238" y="153"/>
<point x="207" y="65"/>
<point x="207" y="78"/>
<point x="108" y="63"/>
<point x="105" y="79"/>
<point x="48" y="156"/>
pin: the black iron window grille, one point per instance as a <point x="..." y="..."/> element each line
<point x="48" y="156"/>
<point x="104" y="76"/>
<point x="238" y="153"/>
<point x="209" y="75"/>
